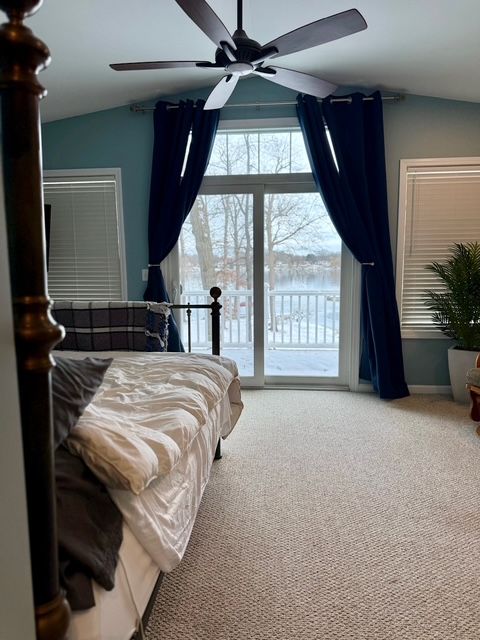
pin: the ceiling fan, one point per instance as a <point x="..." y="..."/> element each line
<point x="239" y="56"/>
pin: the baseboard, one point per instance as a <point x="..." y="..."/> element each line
<point x="430" y="388"/>
<point x="364" y="387"/>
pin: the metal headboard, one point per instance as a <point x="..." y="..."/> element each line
<point x="215" y="306"/>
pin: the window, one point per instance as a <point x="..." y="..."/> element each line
<point x="439" y="205"/>
<point x="258" y="151"/>
<point x="260" y="231"/>
<point x="86" y="252"/>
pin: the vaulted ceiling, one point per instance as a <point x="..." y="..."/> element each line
<point x="424" y="47"/>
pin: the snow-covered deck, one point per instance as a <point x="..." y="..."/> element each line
<point x="288" y="362"/>
<point x="300" y="330"/>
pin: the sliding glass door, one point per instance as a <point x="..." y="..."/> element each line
<point x="272" y="249"/>
<point x="302" y="278"/>
<point x="216" y="248"/>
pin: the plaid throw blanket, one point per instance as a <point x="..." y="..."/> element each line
<point x="113" y="326"/>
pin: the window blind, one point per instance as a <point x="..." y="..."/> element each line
<point x="84" y="261"/>
<point x="441" y="207"/>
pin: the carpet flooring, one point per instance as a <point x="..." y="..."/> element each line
<point x="334" y="516"/>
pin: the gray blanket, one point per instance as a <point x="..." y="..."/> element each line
<point x="89" y="530"/>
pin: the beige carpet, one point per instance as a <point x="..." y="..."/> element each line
<point x="334" y="516"/>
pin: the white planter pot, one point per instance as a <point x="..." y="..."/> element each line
<point x="459" y="362"/>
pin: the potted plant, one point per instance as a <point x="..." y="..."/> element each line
<point x="456" y="310"/>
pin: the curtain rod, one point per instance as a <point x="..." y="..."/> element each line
<point x="138" y="108"/>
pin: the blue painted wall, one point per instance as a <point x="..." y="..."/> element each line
<point x="421" y="127"/>
<point x="417" y="127"/>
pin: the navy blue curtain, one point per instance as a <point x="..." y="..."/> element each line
<point x="171" y="194"/>
<point x="355" y="195"/>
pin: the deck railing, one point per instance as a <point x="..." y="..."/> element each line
<point x="293" y="319"/>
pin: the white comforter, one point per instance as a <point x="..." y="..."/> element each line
<point x="148" y="411"/>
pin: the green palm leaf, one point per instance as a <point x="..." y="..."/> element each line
<point x="456" y="310"/>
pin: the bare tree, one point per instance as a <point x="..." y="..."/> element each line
<point x="199" y="220"/>
<point x="222" y="225"/>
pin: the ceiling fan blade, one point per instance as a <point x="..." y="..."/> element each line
<point x="221" y="92"/>
<point x="318" y="32"/>
<point x="303" y="82"/>
<point x="167" y="64"/>
<point x="207" y="20"/>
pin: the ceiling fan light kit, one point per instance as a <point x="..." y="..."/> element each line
<point x="239" y="56"/>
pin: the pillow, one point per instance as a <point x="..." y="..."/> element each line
<point x="120" y="460"/>
<point x="156" y="326"/>
<point x="74" y="383"/>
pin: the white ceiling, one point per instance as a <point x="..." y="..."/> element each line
<point x="425" y="47"/>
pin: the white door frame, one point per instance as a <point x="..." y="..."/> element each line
<point x="258" y="185"/>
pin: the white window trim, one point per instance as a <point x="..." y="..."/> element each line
<point x="259" y="123"/>
<point x="116" y="172"/>
<point x="433" y="333"/>
<point x="281" y="180"/>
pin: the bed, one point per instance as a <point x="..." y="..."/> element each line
<point x="158" y="506"/>
<point x="36" y="334"/>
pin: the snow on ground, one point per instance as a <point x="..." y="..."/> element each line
<point x="288" y="362"/>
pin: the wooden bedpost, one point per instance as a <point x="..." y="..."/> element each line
<point x="22" y="56"/>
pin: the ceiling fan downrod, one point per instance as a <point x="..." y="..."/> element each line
<point x="239" y="15"/>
